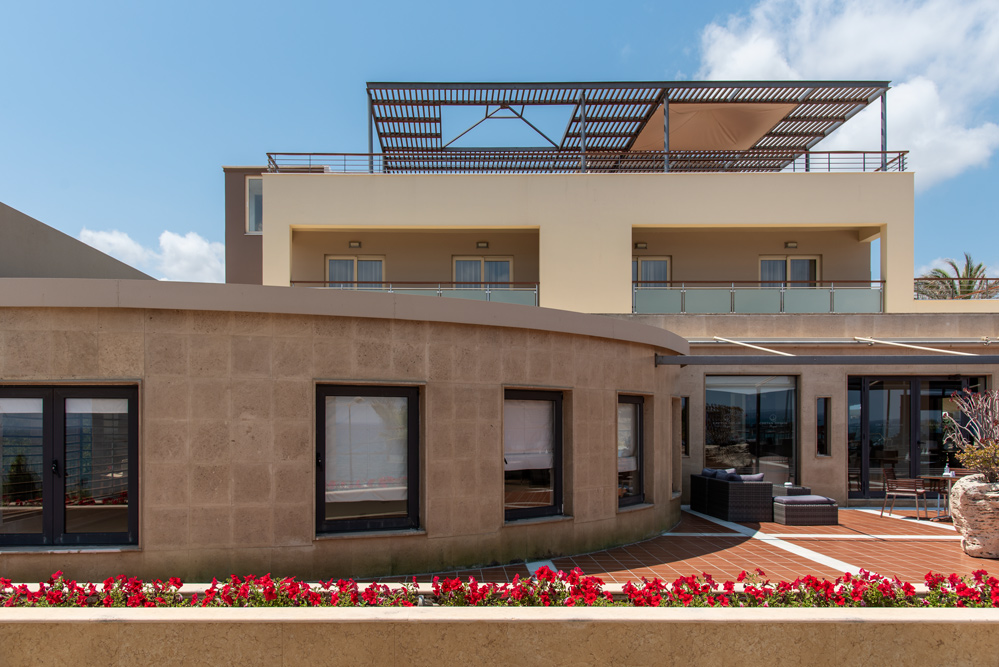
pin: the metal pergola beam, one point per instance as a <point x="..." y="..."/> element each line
<point x="826" y="360"/>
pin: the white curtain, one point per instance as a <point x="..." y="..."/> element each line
<point x="528" y="435"/>
<point x="366" y="448"/>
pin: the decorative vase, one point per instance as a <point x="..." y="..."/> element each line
<point x="974" y="504"/>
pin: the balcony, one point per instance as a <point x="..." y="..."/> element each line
<point x="746" y="297"/>
<point x="500" y="161"/>
<point x="520" y="293"/>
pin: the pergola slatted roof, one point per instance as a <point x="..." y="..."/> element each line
<point x="407" y="116"/>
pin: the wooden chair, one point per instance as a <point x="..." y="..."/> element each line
<point x="905" y="488"/>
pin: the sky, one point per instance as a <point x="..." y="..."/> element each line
<point x="117" y="117"/>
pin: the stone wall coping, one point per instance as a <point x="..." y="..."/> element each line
<point x="145" y="294"/>
<point x="499" y="614"/>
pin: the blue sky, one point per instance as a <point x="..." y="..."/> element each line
<point x="116" y="117"/>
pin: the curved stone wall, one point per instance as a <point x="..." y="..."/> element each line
<point x="227" y="387"/>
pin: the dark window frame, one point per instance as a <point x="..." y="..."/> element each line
<point x="556" y="508"/>
<point x="54" y="465"/>
<point x="685" y="426"/>
<point x="639" y="497"/>
<point x="823" y="427"/>
<point x="412" y="518"/>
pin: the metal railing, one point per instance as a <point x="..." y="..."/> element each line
<point x="522" y="293"/>
<point x="955" y="288"/>
<point x="560" y="161"/>
<point x="757" y="297"/>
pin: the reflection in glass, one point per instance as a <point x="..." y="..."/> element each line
<point x="685" y="426"/>
<point x="20" y="465"/>
<point x="366" y="457"/>
<point x="934" y="400"/>
<point x="528" y="453"/>
<point x="750" y="425"/>
<point x="889" y="418"/>
<point x="854" y="436"/>
<point x="822" y="444"/>
<point x="95" y="468"/>
<point x="628" y="484"/>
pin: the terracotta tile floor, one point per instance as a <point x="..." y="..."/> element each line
<point x="892" y="546"/>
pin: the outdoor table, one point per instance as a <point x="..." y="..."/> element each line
<point x="950" y="479"/>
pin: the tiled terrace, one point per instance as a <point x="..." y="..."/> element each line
<point x="896" y="545"/>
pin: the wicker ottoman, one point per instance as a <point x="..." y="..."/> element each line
<point x="806" y="511"/>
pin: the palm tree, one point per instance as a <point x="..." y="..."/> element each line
<point x="967" y="282"/>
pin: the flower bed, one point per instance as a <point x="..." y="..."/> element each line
<point x="546" y="588"/>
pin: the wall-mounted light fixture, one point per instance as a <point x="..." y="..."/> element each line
<point x="790" y="244"/>
<point x="641" y="245"/>
<point x="354" y="244"/>
<point x="482" y="244"/>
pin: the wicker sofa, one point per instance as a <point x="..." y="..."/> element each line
<point x="732" y="501"/>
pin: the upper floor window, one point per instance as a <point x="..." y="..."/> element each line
<point x="68" y="465"/>
<point x="254" y="205"/>
<point x="789" y="271"/>
<point x="630" y="466"/>
<point x="653" y="271"/>
<point x="349" y="271"/>
<point x="368" y="458"/>
<point x="532" y="453"/>
<point x="471" y="272"/>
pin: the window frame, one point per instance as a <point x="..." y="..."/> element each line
<point x="636" y="267"/>
<point x="639" y="402"/>
<point x="685" y="426"/>
<point x="355" y="259"/>
<point x="784" y="284"/>
<point x="482" y="268"/>
<point x="412" y="519"/>
<point x="54" y="480"/>
<point x="556" y="398"/>
<point x="246" y="198"/>
<point x="823" y="427"/>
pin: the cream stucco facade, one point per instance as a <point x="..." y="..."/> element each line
<point x="586" y="222"/>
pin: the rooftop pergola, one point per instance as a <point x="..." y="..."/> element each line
<point x="612" y="127"/>
<point x="611" y="123"/>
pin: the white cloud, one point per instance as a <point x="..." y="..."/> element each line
<point x="939" y="54"/>
<point x="189" y="258"/>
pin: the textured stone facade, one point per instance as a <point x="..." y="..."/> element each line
<point x="227" y="435"/>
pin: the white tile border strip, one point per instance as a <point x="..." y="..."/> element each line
<point x="937" y="524"/>
<point x="814" y="556"/>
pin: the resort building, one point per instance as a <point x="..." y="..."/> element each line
<point x="434" y="354"/>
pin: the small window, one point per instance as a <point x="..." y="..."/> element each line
<point x="532" y="453"/>
<point x="367" y="441"/>
<point x="355" y="272"/>
<point x="685" y="425"/>
<point x="68" y="466"/>
<point x="650" y="271"/>
<point x="630" y="464"/>
<point x="479" y="272"/>
<point x="789" y="271"/>
<point x="254" y="205"/>
<point x="822" y="444"/>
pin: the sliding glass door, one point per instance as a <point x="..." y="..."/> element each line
<point x="895" y="428"/>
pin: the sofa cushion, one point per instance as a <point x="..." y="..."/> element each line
<point x="804" y="500"/>
<point x="756" y="477"/>
<point x="729" y="470"/>
<point x="731" y="477"/>
<point x="709" y="472"/>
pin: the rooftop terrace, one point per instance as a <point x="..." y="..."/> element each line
<point x="611" y="127"/>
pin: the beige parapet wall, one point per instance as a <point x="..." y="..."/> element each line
<point x="227" y="378"/>
<point x="500" y="636"/>
<point x="585" y="222"/>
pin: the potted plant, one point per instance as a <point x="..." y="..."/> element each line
<point x="974" y="499"/>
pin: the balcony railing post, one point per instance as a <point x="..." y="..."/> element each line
<point x="832" y="297"/>
<point x="731" y="302"/>
<point x="782" y="297"/>
<point x="489" y="294"/>
<point x="683" y="298"/>
<point x="634" y="298"/>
